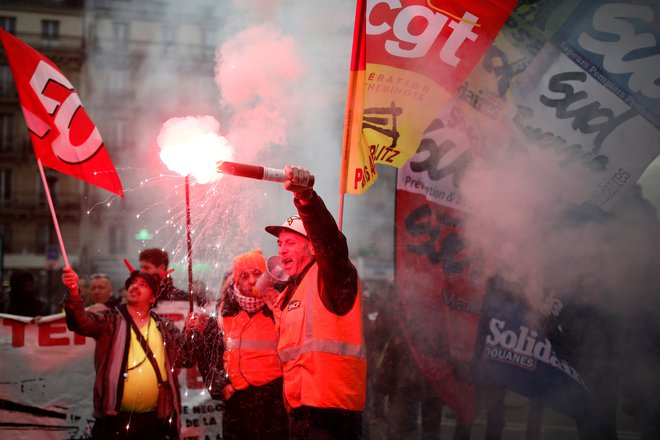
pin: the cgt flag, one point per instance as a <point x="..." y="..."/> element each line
<point x="409" y="58"/>
<point x="63" y="136"/>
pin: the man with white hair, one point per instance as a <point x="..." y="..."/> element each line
<point x="101" y="293"/>
<point x="318" y="318"/>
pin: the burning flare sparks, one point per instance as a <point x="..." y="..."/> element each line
<point x="192" y="146"/>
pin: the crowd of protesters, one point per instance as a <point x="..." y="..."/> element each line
<point x="288" y="360"/>
<point x="249" y="349"/>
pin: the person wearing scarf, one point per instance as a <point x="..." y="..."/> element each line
<point x="237" y="356"/>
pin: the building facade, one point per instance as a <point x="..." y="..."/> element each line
<point x="28" y="236"/>
<point x="120" y="56"/>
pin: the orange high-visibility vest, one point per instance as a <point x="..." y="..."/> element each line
<point x="323" y="356"/>
<point x="250" y="355"/>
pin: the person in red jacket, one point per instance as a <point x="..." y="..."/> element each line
<point x="238" y="357"/>
<point x="318" y="318"/>
<point x="129" y="384"/>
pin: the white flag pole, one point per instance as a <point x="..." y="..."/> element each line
<point x="52" y="211"/>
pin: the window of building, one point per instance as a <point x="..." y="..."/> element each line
<point x="209" y="38"/>
<point x="51" y="178"/>
<point x="7" y="87"/>
<point x="118" y="81"/>
<point x="7" y="135"/>
<point x="5" y="187"/>
<point x="120" y="31"/>
<point x="5" y="233"/>
<point x="169" y="34"/>
<point x="42" y="237"/>
<point x="117" y="239"/>
<point x="50" y="29"/>
<point x="8" y="24"/>
<point x="116" y="135"/>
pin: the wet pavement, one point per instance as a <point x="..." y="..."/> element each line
<point x="555" y="425"/>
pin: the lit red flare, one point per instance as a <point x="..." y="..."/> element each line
<point x="192" y="146"/>
<point x="254" y="172"/>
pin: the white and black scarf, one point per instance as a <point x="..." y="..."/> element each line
<point x="250" y="304"/>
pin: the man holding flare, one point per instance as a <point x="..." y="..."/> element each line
<point x="318" y="319"/>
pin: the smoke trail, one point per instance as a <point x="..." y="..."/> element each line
<point x="275" y="82"/>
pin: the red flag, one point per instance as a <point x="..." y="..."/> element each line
<point x="409" y="58"/>
<point x="441" y="281"/>
<point x="355" y="150"/>
<point x="63" y="136"/>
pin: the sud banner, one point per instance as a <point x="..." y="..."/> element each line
<point x="567" y="86"/>
<point x="588" y="108"/>
<point x="48" y="378"/>
<point x="440" y="278"/>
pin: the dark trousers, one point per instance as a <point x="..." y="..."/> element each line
<point x="133" y="426"/>
<point x="256" y="413"/>
<point x="308" y="423"/>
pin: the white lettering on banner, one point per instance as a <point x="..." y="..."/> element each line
<point x="612" y="19"/>
<point x="525" y="343"/>
<point x="66" y="112"/>
<point x="510" y="357"/>
<point x="422" y="42"/>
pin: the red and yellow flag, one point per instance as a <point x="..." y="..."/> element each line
<point x="409" y="58"/>
<point x="63" y="136"/>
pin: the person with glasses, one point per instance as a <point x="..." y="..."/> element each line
<point x="136" y="358"/>
<point x="318" y="319"/>
<point x="237" y="356"/>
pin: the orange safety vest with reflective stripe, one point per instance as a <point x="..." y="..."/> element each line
<point x="250" y="356"/>
<point x="323" y="355"/>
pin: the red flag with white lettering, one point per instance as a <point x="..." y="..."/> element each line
<point x="409" y="58"/>
<point x="63" y="136"/>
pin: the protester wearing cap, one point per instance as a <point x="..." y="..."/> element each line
<point x="240" y="364"/>
<point x="318" y="318"/>
<point x="128" y="390"/>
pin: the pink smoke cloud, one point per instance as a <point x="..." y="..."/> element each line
<point x="257" y="72"/>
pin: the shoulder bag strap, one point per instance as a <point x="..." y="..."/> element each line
<point x="145" y="345"/>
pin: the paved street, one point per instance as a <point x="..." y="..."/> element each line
<point x="555" y="425"/>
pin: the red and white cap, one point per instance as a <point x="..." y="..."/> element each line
<point x="291" y="224"/>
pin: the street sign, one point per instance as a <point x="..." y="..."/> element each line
<point x="52" y="257"/>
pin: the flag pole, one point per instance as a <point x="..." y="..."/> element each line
<point x="341" y="211"/>
<point x="52" y="212"/>
<point x="356" y="62"/>
<point x="189" y="241"/>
